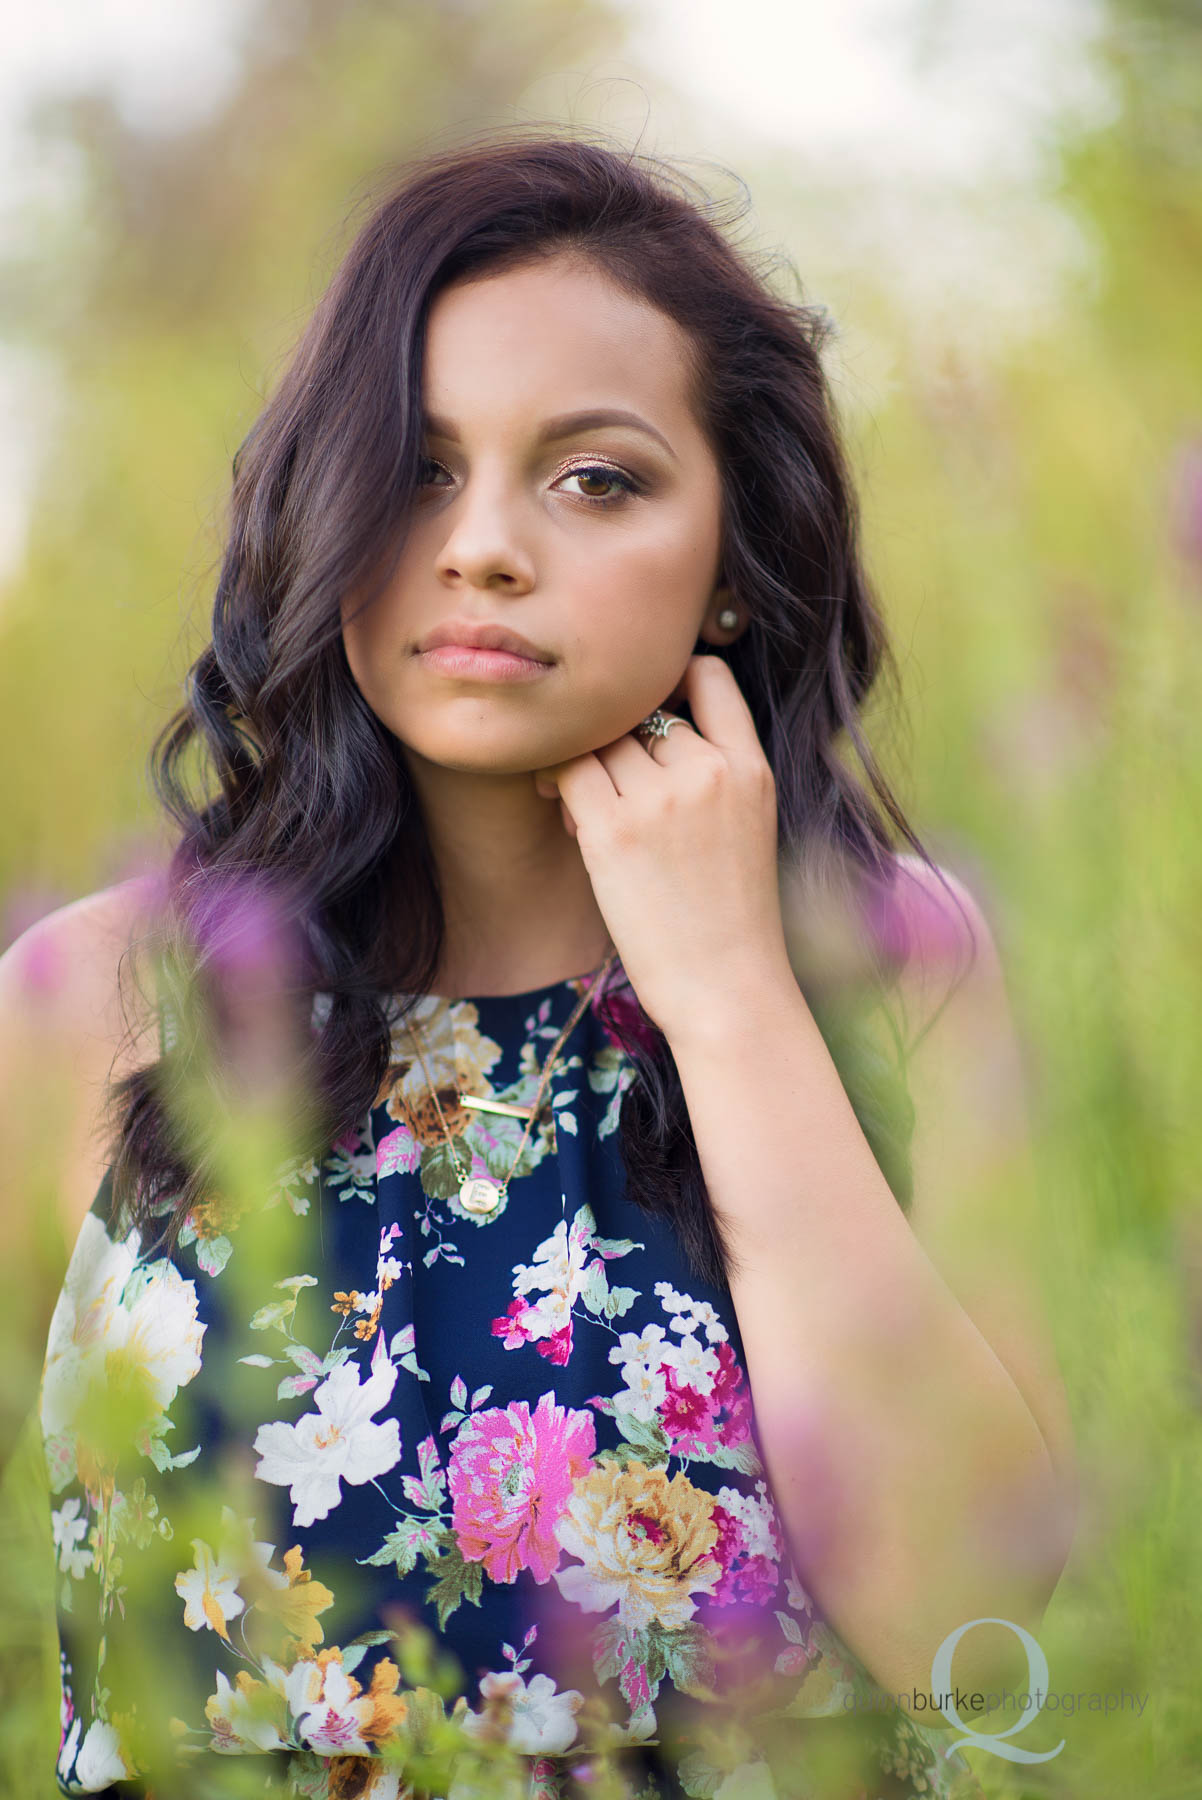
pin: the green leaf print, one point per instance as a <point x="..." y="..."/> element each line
<point x="439" y="1176"/>
<point x="594" y="1289"/>
<point x="611" y="1651"/>
<point x="620" y="1300"/>
<point x="402" y="1547"/>
<point x="610" y="1247"/>
<point x="457" y="1580"/>
<point x="273" y="1314"/>
<point x="162" y="1458"/>
<point x="744" y="1457"/>
<point x="645" y="1440"/>
<point x="646" y="1647"/>
<point x="688" y="1656"/>
<point x="698" y="1776"/>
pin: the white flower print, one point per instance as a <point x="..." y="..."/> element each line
<point x="646" y="1347"/>
<point x="558" y="1268"/>
<point x="639" y="1355"/>
<point x="756" y="1515"/>
<point x="644" y="1356"/>
<point x="68" y="1529"/>
<point x="645" y="1391"/>
<point x="115" y="1321"/>
<point x="798" y="1598"/>
<point x="163" y="1336"/>
<point x="541" y="1720"/>
<point x="209" y="1591"/>
<point x="100" y="1761"/>
<point x="328" y="1707"/>
<point x="338" y="1442"/>
<point x="238" y="1719"/>
<point x="695" y="1364"/>
<point x="689" y="1313"/>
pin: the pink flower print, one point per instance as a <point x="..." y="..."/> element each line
<point x="634" y="1685"/>
<point x="746" y="1580"/>
<point x="399" y="1153"/>
<point x="511" y="1476"/>
<point x="730" y="1400"/>
<point x="749" y="1547"/>
<point x="684" y="1412"/>
<point x="521" y="1324"/>
<point x="698" y="1420"/>
<point x="512" y="1325"/>
<point x="731" y="1542"/>
<point x="622" y="1005"/>
<point x="558" y="1347"/>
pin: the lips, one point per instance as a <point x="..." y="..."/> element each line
<point x="482" y="637"/>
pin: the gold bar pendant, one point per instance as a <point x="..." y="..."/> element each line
<point x="482" y="1104"/>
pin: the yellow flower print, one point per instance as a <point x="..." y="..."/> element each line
<point x="643" y="1541"/>
<point x="332" y="1712"/>
<point x="458" y="1056"/>
<point x="294" y="1608"/>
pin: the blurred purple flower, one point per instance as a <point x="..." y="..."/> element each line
<point x="910" y="921"/>
<point x="241" y="930"/>
<point x="250" y="963"/>
<point x="1186" y="502"/>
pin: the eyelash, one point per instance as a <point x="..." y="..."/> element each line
<point x="626" y="482"/>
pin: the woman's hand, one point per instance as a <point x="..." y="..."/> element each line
<point x="680" y="847"/>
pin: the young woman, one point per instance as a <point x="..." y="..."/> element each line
<point x="641" y="1323"/>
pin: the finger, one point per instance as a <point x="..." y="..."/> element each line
<point x="585" y="786"/>
<point x="717" y="703"/>
<point x="674" y="746"/>
<point x="627" y="763"/>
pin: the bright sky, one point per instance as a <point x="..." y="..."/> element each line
<point x="923" y="98"/>
<point x="950" y="88"/>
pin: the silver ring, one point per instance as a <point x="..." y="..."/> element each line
<point x="659" y="723"/>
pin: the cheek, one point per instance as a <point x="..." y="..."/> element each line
<point x="366" y="639"/>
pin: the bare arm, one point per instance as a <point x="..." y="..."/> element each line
<point x="63" y="1033"/>
<point x="909" y="1405"/>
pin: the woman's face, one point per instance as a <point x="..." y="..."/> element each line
<point x="596" y="539"/>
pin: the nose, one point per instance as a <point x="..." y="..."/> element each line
<point x="483" y="546"/>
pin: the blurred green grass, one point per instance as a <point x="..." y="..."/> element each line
<point x="1038" y="546"/>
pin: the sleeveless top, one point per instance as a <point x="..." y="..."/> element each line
<point x="353" y="1462"/>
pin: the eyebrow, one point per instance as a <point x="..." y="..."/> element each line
<point x="565" y="425"/>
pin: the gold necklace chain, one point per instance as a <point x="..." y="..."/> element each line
<point x="478" y="1194"/>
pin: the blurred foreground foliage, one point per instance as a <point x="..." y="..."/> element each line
<point x="1035" y="519"/>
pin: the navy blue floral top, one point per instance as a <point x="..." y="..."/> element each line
<point x="323" y="1423"/>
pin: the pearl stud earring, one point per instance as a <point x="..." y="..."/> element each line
<point x="728" y="618"/>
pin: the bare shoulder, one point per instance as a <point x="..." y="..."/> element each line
<point x="62" y="974"/>
<point x="69" y="1024"/>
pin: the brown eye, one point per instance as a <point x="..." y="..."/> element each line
<point x="601" y="474"/>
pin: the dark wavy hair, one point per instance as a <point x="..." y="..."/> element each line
<point x="304" y="790"/>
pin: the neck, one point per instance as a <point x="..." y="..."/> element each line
<point x="518" y="905"/>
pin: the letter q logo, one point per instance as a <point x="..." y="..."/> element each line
<point x="1037" y="1681"/>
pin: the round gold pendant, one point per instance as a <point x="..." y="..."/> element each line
<point x="479" y="1196"/>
